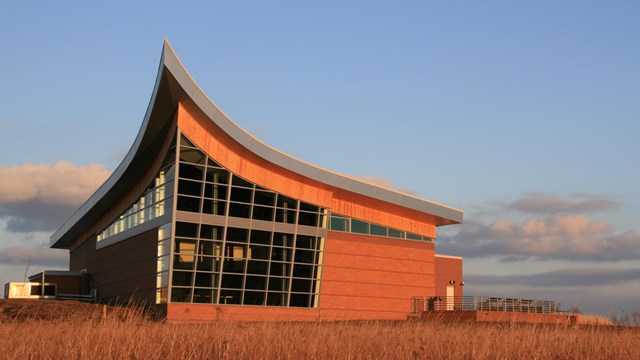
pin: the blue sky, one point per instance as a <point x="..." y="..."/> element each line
<point x="523" y="114"/>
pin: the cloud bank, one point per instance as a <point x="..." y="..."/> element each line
<point x="564" y="234"/>
<point x="59" y="183"/>
<point x="567" y="237"/>
<point x="563" y="278"/>
<point x="543" y="203"/>
<point x="39" y="197"/>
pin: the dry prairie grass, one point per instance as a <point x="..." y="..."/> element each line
<point x="126" y="333"/>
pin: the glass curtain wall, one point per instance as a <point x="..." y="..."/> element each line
<point x="153" y="203"/>
<point x="270" y="255"/>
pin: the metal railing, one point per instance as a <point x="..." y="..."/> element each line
<point x="421" y="304"/>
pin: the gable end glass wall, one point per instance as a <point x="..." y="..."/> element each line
<point x="236" y="242"/>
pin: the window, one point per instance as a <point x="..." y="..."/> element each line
<point x="346" y="224"/>
<point x="216" y="264"/>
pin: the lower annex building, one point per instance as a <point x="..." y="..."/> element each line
<point x="207" y="222"/>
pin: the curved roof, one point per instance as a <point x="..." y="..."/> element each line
<point x="173" y="84"/>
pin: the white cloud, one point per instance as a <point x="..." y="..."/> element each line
<point x="562" y="278"/>
<point x="59" y="183"/>
<point x="564" y="237"/>
<point x="39" y="197"/>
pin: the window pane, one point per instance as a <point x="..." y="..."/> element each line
<point x="164" y="247"/>
<point x="309" y="219"/>
<point x="206" y="248"/>
<point x="185" y="229"/>
<point x="186" y="142"/>
<point x="204" y="296"/>
<point x="182" y="278"/>
<point x="413" y="236"/>
<point x="281" y="254"/>
<point x="359" y="227"/>
<point x="164" y="231"/>
<point x="299" y="300"/>
<point x="162" y="279"/>
<point x="241" y="182"/>
<point x="237" y="235"/>
<point x="239" y="210"/>
<point x="241" y="195"/>
<point x="260" y="252"/>
<point x="396" y="233"/>
<point x="217" y="176"/>
<point x="260" y="237"/>
<point x="186" y="203"/>
<point x="211" y="232"/>
<point x="378" y="230"/>
<point x="258" y="267"/>
<point x="286" y="216"/>
<point x="184" y="257"/>
<point x="298" y="285"/>
<point x="277" y="299"/>
<point x="192" y="156"/>
<point x="262" y="213"/>
<point x="278" y="284"/>
<point x="264" y="198"/>
<point x="256" y="282"/>
<point x="286" y="202"/>
<point x="280" y="239"/>
<point x="163" y="263"/>
<point x="181" y="295"/>
<point x="279" y="269"/>
<point x="188" y="171"/>
<point x="215" y="191"/>
<point x="308" y="207"/>
<point x="304" y="256"/>
<point x="187" y="187"/>
<point x="207" y="263"/>
<point x="230" y="297"/>
<point x="303" y="271"/>
<point x="254" y="298"/>
<point x="230" y="281"/>
<point x="208" y="280"/>
<point x="338" y="223"/>
<point x="305" y="242"/>
<point x="214" y="207"/>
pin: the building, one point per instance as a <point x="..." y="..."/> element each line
<point x="207" y="222"/>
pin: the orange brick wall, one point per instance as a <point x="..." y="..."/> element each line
<point x="370" y="277"/>
<point x="448" y="269"/>
<point x="205" y="312"/>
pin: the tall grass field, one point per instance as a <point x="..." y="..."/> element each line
<point x="62" y="330"/>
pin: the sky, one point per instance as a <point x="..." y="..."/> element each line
<point x="525" y="115"/>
